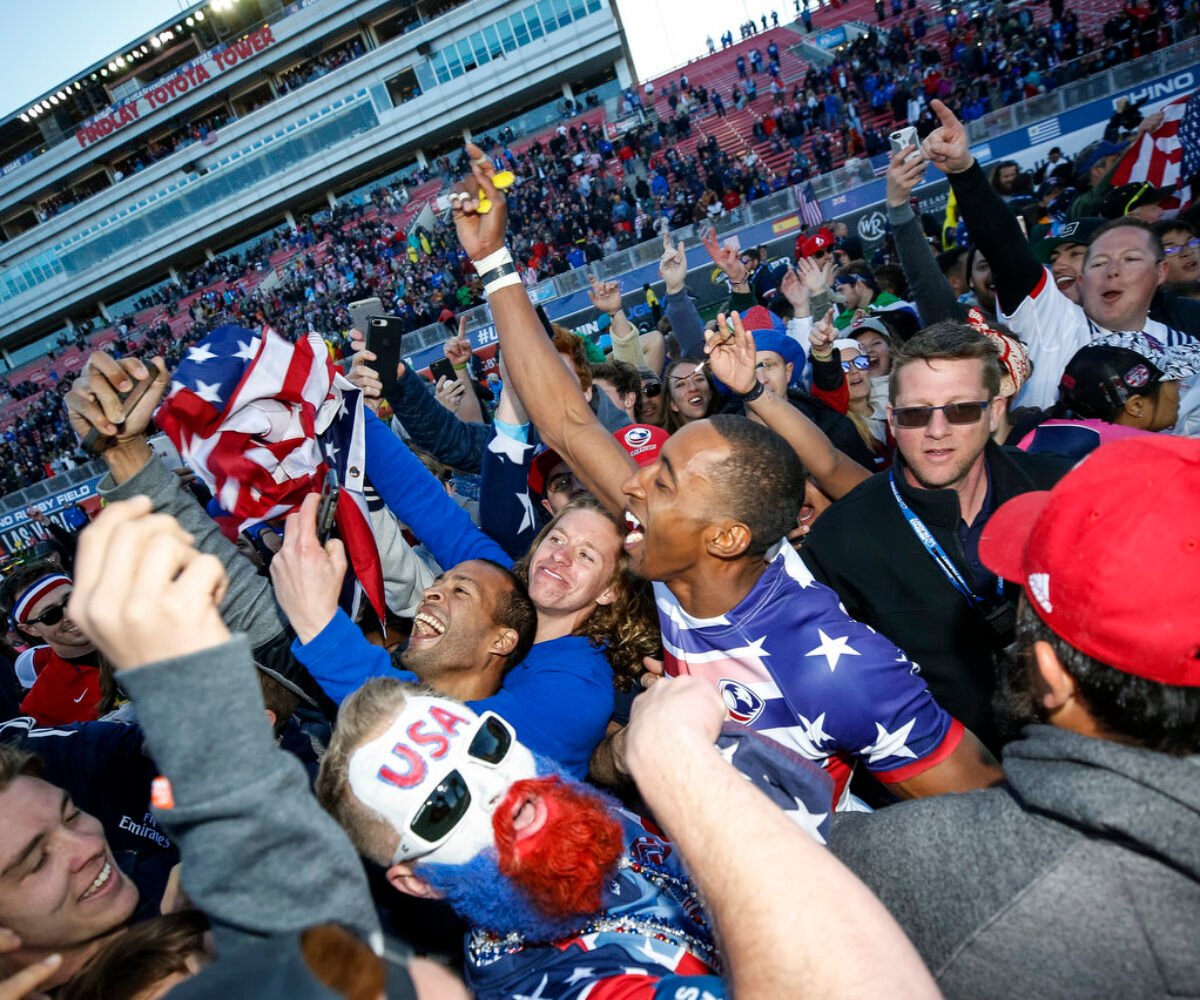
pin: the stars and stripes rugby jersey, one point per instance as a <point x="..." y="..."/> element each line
<point x="792" y="665"/>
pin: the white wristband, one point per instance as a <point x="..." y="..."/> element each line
<point x="493" y="260"/>
<point x="502" y="282"/>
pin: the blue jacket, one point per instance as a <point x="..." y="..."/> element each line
<point x="431" y="426"/>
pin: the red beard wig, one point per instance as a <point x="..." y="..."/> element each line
<point x="561" y="867"/>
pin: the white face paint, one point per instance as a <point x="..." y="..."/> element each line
<point x="415" y="773"/>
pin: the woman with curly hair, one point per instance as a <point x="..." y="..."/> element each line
<point x="577" y="572"/>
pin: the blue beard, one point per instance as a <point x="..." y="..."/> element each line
<point x="484" y="897"/>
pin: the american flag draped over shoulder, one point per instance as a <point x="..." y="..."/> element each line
<point x="1170" y="154"/>
<point x="261" y="421"/>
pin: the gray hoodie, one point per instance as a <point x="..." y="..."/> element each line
<point x="1080" y="877"/>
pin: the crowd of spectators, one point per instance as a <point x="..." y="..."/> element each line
<point x="581" y="196"/>
<point x="871" y="600"/>
<point x="319" y="66"/>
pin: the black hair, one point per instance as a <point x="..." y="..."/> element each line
<point x="624" y="378"/>
<point x="1164" y="718"/>
<point x="761" y="481"/>
<point x="515" y="610"/>
<point x="22" y="577"/>
<point x="1176" y="225"/>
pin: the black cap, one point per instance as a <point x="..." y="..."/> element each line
<point x="1099" y="379"/>
<point x="1124" y="199"/>
<point x="1046" y="239"/>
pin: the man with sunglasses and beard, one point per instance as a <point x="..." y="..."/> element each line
<point x="61" y="669"/>
<point x="902" y="550"/>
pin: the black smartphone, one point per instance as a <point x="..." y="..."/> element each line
<point x="384" y="334"/>
<point x="327" y="509"/>
<point x="442" y="368"/>
<point x="362" y="311"/>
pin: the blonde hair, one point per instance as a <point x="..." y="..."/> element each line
<point x="361" y="717"/>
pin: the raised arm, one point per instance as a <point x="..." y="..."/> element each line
<point x="430" y="425"/>
<point x="731" y="355"/>
<point x="687" y="325"/>
<point x="710" y="811"/>
<point x="418" y="499"/>
<point x="134" y="469"/>
<point x="991" y="223"/>
<point x="626" y="343"/>
<point x="555" y="403"/>
<point x="458" y="353"/>
<point x="931" y="292"/>
<point x="259" y="855"/>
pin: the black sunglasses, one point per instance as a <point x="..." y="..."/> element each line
<point x="448" y="803"/>
<point x="956" y="413"/>
<point x="652" y="389"/>
<point x="51" y="616"/>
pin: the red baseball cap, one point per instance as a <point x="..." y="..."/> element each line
<point x="642" y="441"/>
<point x="1110" y="558"/>
<point x="822" y="239"/>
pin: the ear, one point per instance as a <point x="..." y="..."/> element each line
<point x="787" y="371"/>
<point x="995" y="412"/>
<point x="272" y="718"/>
<point x="1162" y="270"/>
<point x="629" y="400"/>
<point x="1134" y="410"/>
<point x="505" y="642"/>
<point x="1054" y="687"/>
<point x="547" y="508"/>
<point x="401" y="878"/>
<point x="728" y="540"/>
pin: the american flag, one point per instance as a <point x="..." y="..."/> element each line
<point x="261" y="421"/>
<point x="810" y="206"/>
<point x="1170" y="154"/>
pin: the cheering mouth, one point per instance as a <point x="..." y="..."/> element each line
<point x="427" y="626"/>
<point x="635" y="531"/>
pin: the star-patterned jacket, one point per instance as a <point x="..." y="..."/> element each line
<point x="793" y="665"/>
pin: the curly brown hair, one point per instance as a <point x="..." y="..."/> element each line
<point x="626" y="629"/>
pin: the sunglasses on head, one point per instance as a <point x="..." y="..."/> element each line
<point x="859" y="361"/>
<point x="446" y="805"/>
<point x="956" y="413"/>
<point x="51" y="616"/>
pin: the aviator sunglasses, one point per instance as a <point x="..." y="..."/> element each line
<point x="956" y="413"/>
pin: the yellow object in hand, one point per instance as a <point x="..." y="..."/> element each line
<point x="503" y="179"/>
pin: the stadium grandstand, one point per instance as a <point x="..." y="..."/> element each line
<point x="269" y="164"/>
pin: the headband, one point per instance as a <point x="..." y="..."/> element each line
<point x="41" y="587"/>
